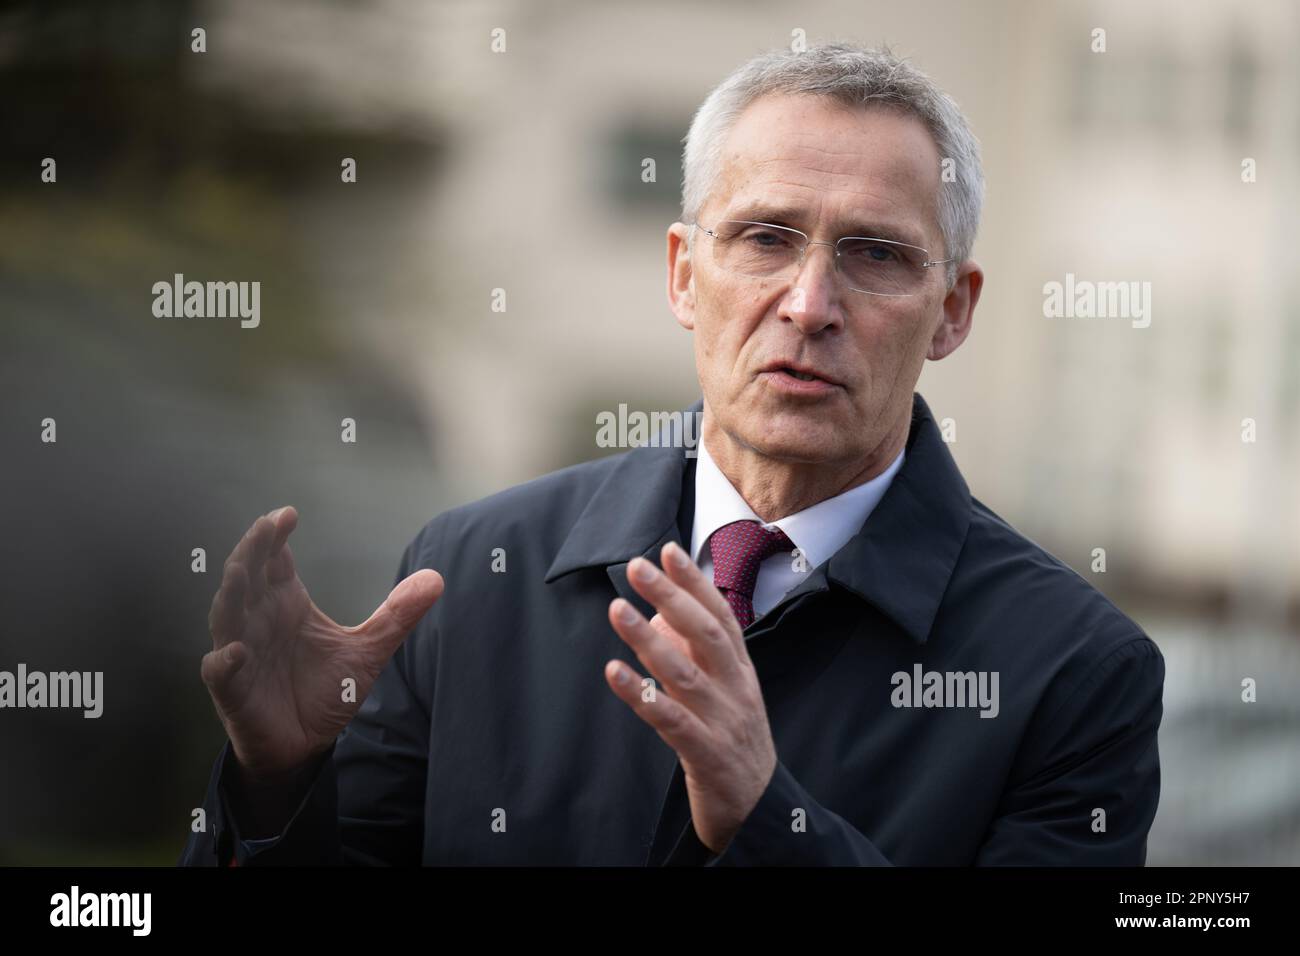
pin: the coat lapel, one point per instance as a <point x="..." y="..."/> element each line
<point x="647" y="501"/>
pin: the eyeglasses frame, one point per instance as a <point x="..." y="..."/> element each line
<point x="809" y="241"/>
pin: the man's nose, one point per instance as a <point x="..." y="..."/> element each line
<point x="812" y="303"/>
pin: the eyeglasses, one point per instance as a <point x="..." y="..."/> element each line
<point x="761" y="250"/>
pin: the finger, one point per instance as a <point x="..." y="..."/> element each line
<point x="714" y="646"/>
<point x="280" y="566"/>
<point x="242" y="550"/>
<point x="285" y="520"/>
<point x="686" y="574"/>
<point x="261" y="537"/>
<point x="677" y="672"/>
<point x="402" y="609"/>
<point x="219" y="667"/>
<point x="666" y="629"/>
<point x="671" y="720"/>
<point x="245" y="553"/>
<point x="226" y="617"/>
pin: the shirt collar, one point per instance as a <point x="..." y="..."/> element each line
<point x="900" y="562"/>
<point x="817" y="531"/>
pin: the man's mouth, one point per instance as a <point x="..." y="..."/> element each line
<point x="798" y="382"/>
<point x="802" y="373"/>
<point x="802" y="376"/>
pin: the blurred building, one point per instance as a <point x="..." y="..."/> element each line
<point x="521" y="171"/>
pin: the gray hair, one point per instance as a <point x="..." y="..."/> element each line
<point x="854" y="76"/>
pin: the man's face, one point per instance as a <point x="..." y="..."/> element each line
<point x="838" y="172"/>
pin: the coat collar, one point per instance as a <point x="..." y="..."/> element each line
<point x="900" y="561"/>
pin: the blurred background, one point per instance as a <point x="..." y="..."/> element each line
<point x="377" y="305"/>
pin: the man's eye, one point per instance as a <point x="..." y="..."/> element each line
<point x="875" y="252"/>
<point x="766" y="240"/>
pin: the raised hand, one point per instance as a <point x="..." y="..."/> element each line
<point x="278" y="664"/>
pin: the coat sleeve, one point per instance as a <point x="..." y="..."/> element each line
<point x="766" y="838"/>
<point x="1091" y="777"/>
<point x="1094" y="750"/>
<point x="366" y="803"/>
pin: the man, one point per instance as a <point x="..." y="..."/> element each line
<point x="844" y="657"/>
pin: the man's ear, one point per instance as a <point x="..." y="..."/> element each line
<point x="681" y="285"/>
<point x="958" y="311"/>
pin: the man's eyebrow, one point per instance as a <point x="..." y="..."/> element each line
<point x="792" y="218"/>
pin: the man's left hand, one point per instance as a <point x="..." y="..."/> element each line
<point x="712" y="713"/>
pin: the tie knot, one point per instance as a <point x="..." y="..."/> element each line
<point x="739" y="548"/>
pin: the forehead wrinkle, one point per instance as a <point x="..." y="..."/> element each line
<point x="844" y="217"/>
<point x="835" y="161"/>
<point x="897" y="172"/>
<point x="777" y="141"/>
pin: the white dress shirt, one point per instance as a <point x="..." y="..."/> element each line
<point x="818" y="532"/>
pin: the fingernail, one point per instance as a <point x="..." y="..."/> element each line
<point x="627" y="613"/>
<point x="677" y="555"/>
<point x="643" y="571"/>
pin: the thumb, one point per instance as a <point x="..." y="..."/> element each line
<point x="404" y="607"/>
<point x="219" y="666"/>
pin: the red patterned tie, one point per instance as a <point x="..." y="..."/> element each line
<point x="738" y="549"/>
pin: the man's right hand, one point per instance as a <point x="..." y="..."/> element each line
<point x="277" y="667"/>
